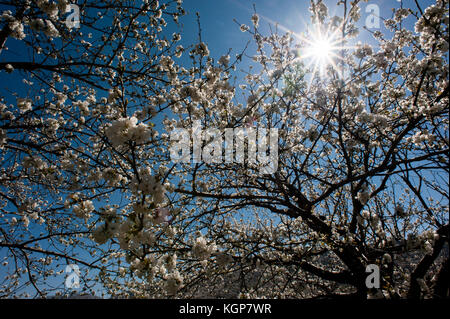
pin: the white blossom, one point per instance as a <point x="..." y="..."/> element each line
<point x="255" y="20"/>
<point x="17" y="30"/>
<point x="126" y="129"/>
<point x="174" y="282"/>
<point x="24" y="104"/>
<point x="83" y="209"/>
<point x="201" y="249"/>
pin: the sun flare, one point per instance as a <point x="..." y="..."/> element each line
<point x="321" y="51"/>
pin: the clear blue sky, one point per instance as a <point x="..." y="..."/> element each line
<point x="221" y="33"/>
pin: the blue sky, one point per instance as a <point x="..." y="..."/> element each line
<point x="219" y="30"/>
<point x="221" y="33"/>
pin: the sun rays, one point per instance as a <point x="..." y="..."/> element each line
<point x="321" y="51"/>
<point x="321" y="48"/>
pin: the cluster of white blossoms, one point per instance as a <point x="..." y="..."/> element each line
<point x="46" y="26"/>
<point x="24" y="104"/>
<point x="119" y="229"/>
<point x="371" y="219"/>
<point x="363" y="196"/>
<point x="50" y="8"/>
<point x="51" y="125"/>
<point x="39" y="25"/>
<point x="113" y="95"/>
<point x="148" y="184"/>
<point x="193" y="92"/>
<point x="166" y="63"/>
<point x="102" y="233"/>
<point x="201" y="49"/>
<point x="433" y="15"/>
<point x="223" y="259"/>
<point x="126" y="129"/>
<point x="363" y="51"/>
<point x="244" y="28"/>
<point x="224" y="60"/>
<point x="255" y="20"/>
<point x="421" y="138"/>
<point x="378" y="120"/>
<point x="424" y="241"/>
<point x="3" y="137"/>
<point x="83" y="106"/>
<point x="16" y="27"/>
<point x="319" y="9"/>
<point x="83" y="209"/>
<point x="161" y="215"/>
<point x="174" y="281"/>
<point x="50" y="30"/>
<point x="202" y="250"/>
<point x="140" y="228"/>
<point x="150" y="266"/>
<point x="112" y="176"/>
<point x="34" y="163"/>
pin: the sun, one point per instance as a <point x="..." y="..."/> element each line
<point x="321" y="51"/>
